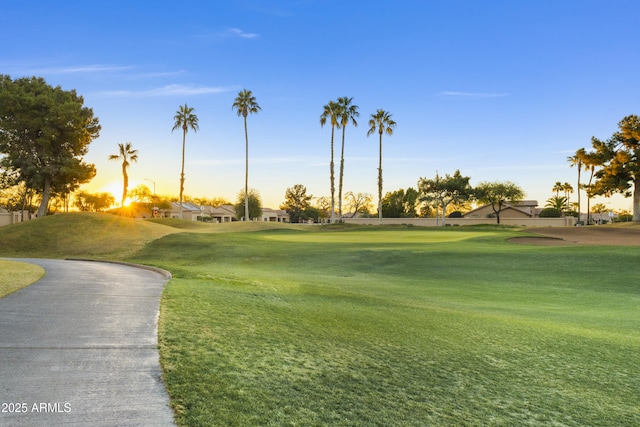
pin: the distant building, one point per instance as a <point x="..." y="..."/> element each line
<point x="523" y="209"/>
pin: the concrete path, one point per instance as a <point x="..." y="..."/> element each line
<point x="79" y="348"/>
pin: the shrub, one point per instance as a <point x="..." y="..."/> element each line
<point x="550" y="213"/>
<point x="456" y="214"/>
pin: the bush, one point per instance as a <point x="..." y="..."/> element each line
<point x="624" y="218"/>
<point x="456" y="214"/>
<point x="550" y="213"/>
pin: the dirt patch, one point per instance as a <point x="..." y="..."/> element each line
<point x="593" y="235"/>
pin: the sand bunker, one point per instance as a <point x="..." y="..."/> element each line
<point x="593" y="235"/>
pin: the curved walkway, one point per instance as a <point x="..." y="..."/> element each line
<point x="79" y="347"/>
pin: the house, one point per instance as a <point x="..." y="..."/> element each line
<point x="7" y="218"/>
<point x="274" y="215"/>
<point x="522" y="209"/>
<point x="220" y="214"/>
<point x="190" y="211"/>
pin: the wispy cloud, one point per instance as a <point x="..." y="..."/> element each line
<point x="477" y="95"/>
<point x="81" y="69"/>
<point x="230" y="33"/>
<point x="169" y="90"/>
<point x="236" y="32"/>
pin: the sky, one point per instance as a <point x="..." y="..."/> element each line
<point x="499" y="89"/>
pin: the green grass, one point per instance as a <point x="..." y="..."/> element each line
<point x="398" y="327"/>
<point x="345" y="325"/>
<point x="17" y="275"/>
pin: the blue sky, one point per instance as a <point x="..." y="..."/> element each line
<point x="502" y="90"/>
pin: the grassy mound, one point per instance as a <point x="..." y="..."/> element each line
<point x="92" y="235"/>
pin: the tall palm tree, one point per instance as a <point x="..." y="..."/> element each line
<point x="382" y="123"/>
<point x="245" y="104"/>
<point x="589" y="162"/>
<point x="128" y="155"/>
<point x="331" y="111"/>
<point x="348" y="113"/>
<point x="184" y="119"/>
<point x="557" y="187"/>
<point x="568" y="189"/>
<point x="576" y="160"/>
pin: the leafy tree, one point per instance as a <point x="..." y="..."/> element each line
<point x="141" y="194"/>
<point x="184" y="119"/>
<point x="296" y="202"/>
<point x="443" y="191"/>
<point x="323" y="204"/>
<point x="127" y="154"/>
<point x="381" y="122"/>
<point x="620" y="160"/>
<point x="400" y="203"/>
<point x="44" y="134"/>
<point x="331" y="112"/>
<point x="348" y="113"/>
<point x="245" y="104"/>
<point x="359" y="203"/>
<point x="254" y="204"/>
<point x="213" y="201"/>
<point x="498" y="194"/>
<point x="93" y="202"/>
<point x="599" y="208"/>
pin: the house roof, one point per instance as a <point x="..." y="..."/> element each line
<point x="522" y="206"/>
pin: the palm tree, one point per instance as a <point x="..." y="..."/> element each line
<point x="568" y="189"/>
<point x="348" y="113"/>
<point x="576" y="160"/>
<point x="184" y="119"/>
<point x="557" y="202"/>
<point x="332" y="112"/>
<point x="589" y="162"/>
<point x="245" y="104"/>
<point x="127" y="154"/>
<point x="382" y="122"/>
<point x="557" y="187"/>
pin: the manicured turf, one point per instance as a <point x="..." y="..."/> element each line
<point x="17" y="275"/>
<point x="284" y="325"/>
<point x="398" y="327"/>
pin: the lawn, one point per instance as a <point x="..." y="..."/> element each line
<point x="400" y="326"/>
<point x="346" y="325"/>
<point x="17" y="275"/>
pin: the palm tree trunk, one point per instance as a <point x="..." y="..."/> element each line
<point x="578" y="191"/>
<point x="341" y="178"/>
<point x="184" y="138"/>
<point x="246" y="171"/>
<point x="333" y="181"/>
<point x="380" y="182"/>
<point x="125" y="185"/>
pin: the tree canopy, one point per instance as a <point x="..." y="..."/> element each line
<point x="498" y="194"/>
<point x="443" y="191"/>
<point x="255" y="205"/>
<point x="619" y="157"/>
<point x="400" y="203"/>
<point x="44" y="133"/>
<point x="297" y="202"/>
